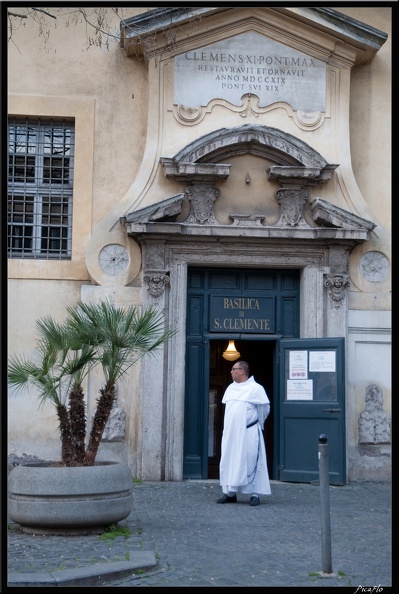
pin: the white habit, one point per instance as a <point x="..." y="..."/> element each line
<point x="243" y="464"/>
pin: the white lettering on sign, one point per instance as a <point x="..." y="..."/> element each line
<point x="239" y="324"/>
<point x="250" y="63"/>
<point x="240" y="303"/>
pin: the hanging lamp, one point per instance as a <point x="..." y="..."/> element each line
<point x="231" y="353"/>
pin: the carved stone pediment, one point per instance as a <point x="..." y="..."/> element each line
<point x="325" y="215"/>
<point x="166" y="210"/>
<point x="202" y="163"/>
<point x="328" y="215"/>
<point x="136" y="30"/>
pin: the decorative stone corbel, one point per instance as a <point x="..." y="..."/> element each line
<point x="201" y="193"/>
<point x="202" y="197"/>
<point x="156" y="281"/>
<point x="293" y="194"/>
<point x="337" y="285"/>
<point x="292" y="201"/>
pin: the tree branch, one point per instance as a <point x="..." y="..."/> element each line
<point x="14" y="14"/>
<point x="44" y="12"/>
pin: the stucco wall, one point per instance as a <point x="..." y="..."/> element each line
<point x="65" y="67"/>
<point x="33" y="430"/>
<point x="370" y="116"/>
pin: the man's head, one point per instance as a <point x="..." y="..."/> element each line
<point x="240" y="371"/>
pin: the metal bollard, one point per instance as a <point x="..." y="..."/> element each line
<point x="325" y="504"/>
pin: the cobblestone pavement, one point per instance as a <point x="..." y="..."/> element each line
<point x="197" y="542"/>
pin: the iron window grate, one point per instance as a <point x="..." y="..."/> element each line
<point x="40" y="188"/>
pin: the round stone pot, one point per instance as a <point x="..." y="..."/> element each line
<point x="43" y="498"/>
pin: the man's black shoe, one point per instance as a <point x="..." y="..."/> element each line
<point x="254" y="500"/>
<point x="227" y="499"/>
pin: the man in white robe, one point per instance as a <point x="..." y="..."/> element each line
<point x="243" y="463"/>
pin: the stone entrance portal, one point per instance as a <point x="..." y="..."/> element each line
<point x="310" y="235"/>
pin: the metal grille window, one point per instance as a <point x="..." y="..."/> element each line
<point x="40" y="188"/>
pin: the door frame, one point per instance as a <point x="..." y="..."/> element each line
<point x="162" y="378"/>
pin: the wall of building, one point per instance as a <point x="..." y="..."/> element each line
<point x="107" y="93"/>
<point x="369" y="321"/>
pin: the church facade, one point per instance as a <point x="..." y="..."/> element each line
<point x="230" y="167"/>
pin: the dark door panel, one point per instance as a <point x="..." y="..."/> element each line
<point x="195" y="450"/>
<point x="320" y="380"/>
<point x="301" y="457"/>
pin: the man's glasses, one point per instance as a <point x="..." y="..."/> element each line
<point x="235" y="368"/>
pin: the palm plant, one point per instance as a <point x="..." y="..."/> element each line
<point x="93" y="334"/>
<point x="121" y="337"/>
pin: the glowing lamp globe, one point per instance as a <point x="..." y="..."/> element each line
<point x="231" y="353"/>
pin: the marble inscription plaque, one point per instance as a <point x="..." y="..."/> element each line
<point x="250" y="63"/>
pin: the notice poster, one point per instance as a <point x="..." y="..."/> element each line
<point x="320" y="361"/>
<point x="298" y="364"/>
<point x="299" y="389"/>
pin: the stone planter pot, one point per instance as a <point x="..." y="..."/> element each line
<point x="43" y="498"/>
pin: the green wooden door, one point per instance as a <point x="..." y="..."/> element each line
<point x="312" y="402"/>
<point x="261" y="305"/>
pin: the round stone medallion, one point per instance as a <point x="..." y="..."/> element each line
<point x="374" y="267"/>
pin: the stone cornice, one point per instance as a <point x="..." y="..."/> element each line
<point x="301" y="175"/>
<point x="160" y="219"/>
<point x="243" y="233"/>
<point x="195" y="171"/>
<point x="344" y="26"/>
<point x="368" y="40"/>
<point x="152" y="22"/>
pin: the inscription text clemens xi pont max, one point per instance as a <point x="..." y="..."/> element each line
<point x="250" y="63"/>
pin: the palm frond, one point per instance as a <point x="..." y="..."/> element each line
<point x="22" y="372"/>
<point x="120" y="335"/>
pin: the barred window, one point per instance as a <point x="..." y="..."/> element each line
<point x="40" y="188"/>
